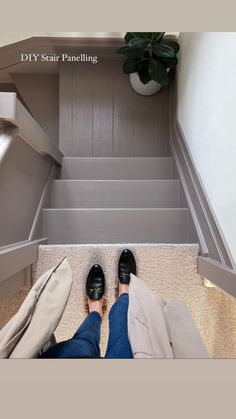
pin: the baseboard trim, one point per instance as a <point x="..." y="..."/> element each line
<point x="17" y="257"/>
<point x="215" y="261"/>
<point x="13" y="284"/>
<point x="218" y="274"/>
<point x="36" y="229"/>
<point x="211" y="238"/>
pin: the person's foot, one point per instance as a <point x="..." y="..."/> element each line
<point x="126" y="266"/>
<point x="95" y="288"/>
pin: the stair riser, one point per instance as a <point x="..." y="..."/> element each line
<point x="117" y="168"/>
<point x="116" y="226"/>
<point x="115" y="194"/>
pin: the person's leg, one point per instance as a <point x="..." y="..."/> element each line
<point x="90" y="330"/>
<point x="85" y="342"/>
<point x="118" y="342"/>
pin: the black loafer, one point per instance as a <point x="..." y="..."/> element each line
<point x="95" y="285"/>
<point x="126" y="266"/>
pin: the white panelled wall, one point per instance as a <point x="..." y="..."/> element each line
<point x="207" y="116"/>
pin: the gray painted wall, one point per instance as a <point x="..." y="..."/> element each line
<point x="40" y="93"/>
<point x="23" y="174"/>
<point x="7" y="87"/>
<point x="10" y="87"/>
<point x="101" y="115"/>
<point x="13" y="284"/>
<point x="206" y="115"/>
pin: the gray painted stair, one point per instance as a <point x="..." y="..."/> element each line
<point x="117" y="168"/>
<point x="136" y="225"/>
<point x="115" y="194"/>
<point x="117" y="200"/>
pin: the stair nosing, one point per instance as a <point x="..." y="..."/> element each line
<point x="169" y="244"/>
<point x="117" y="157"/>
<point x="116" y="180"/>
<point x="117" y="209"/>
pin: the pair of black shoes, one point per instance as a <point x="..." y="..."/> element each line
<point x="95" y="285"/>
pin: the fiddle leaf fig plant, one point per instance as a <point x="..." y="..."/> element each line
<point x="150" y="55"/>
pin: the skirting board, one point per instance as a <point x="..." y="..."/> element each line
<point x="218" y="274"/>
<point x="36" y="229"/>
<point x="15" y="261"/>
<point x="13" y="284"/>
<point x="215" y="262"/>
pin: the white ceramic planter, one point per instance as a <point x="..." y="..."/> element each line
<point x="149" y="89"/>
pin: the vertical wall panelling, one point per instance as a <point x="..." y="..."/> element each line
<point x="66" y="108"/>
<point x="101" y="115"/>
<point x="123" y="114"/>
<point x="143" y="125"/>
<point x="161" y="123"/>
<point x="82" y="120"/>
<point x="103" y="109"/>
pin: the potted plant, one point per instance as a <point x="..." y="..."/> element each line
<point x="149" y="58"/>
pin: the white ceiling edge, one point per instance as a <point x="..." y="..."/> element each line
<point x="7" y="38"/>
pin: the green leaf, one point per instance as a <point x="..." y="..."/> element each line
<point x="173" y="45"/>
<point x="138" y="43"/>
<point x="164" y="50"/>
<point x="129" y="52"/>
<point x="158" y="73"/>
<point x="122" y="50"/>
<point x="131" y="65"/>
<point x="142" y="35"/>
<point x="168" y="62"/>
<point x="128" y="37"/>
<point x="157" y="36"/>
<point x="144" y="74"/>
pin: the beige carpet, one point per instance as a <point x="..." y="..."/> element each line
<point x="10" y="306"/>
<point x="169" y="270"/>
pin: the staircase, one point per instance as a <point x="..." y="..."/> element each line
<point x="99" y="205"/>
<point x="117" y="200"/>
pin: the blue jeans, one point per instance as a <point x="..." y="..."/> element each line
<point x="86" y="340"/>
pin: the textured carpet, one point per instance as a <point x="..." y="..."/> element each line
<point x="10" y="306"/>
<point x="169" y="270"/>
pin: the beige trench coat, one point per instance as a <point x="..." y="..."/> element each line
<point x="33" y="325"/>
<point x="160" y="330"/>
<point x="156" y="329"/>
